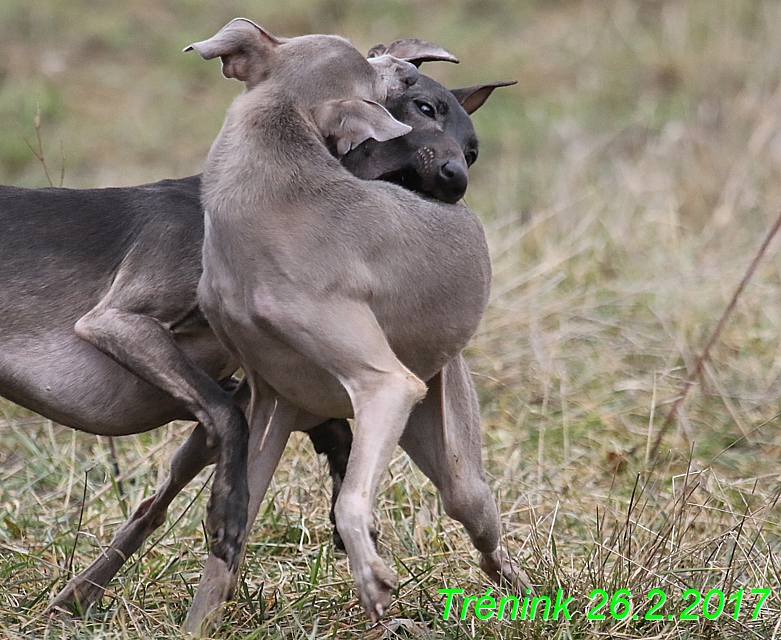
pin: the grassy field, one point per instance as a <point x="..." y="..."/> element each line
<point x="625" y="183"/>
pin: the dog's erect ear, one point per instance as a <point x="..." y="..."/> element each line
<point x="351" y="122"/>
<point x="244" y="48"/>
<point x="472" y="98"/>
<point x="413" y="50"/>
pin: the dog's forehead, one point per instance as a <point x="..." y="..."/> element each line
<point x="432" y="92"/>
<point x="332" y="59"/>
<point x="330" y="47"/>
<point x="321" y="41"/>
<point x="427" y="87"/>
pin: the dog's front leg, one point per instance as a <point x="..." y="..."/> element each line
<point x="343" y="337"/>
<point x="325" y="351"/>
<point x="334" y="438"/>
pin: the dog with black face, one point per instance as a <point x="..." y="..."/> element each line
<point x="433" y="158"/>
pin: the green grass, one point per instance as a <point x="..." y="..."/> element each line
<point x="626" y="183"/>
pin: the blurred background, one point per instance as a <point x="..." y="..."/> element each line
<point x="626" y="182"/>
<point x="122" y="104"/>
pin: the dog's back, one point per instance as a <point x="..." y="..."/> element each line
<point x="59" y="243"/>
<point x="61" y="251"/>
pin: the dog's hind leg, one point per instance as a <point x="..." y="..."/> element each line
<point x="87" y="587"/>
<point x="443" y="439"/>
<point x="146" y="347"/>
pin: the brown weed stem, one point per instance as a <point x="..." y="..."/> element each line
<point x="705" y="355"/>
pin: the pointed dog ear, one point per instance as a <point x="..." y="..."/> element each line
<point x="245" y="49"/>
<point x="413" y="50"/>
<point x="472" y="98"/>
<point x="351" y="122"/>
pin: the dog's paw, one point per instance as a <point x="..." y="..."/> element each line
<point x="376" y="588"/>
<point x="226" y="525"/>
<point x="217" y="585"/>
<point x="498" y="566"/>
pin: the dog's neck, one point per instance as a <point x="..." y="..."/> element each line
<point x="273" y="149"/>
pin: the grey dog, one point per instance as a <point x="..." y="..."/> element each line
<point x="340" y="297"/>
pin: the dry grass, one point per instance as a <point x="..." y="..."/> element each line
<point x="626" y="184"/>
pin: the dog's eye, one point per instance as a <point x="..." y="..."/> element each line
<point x="426" y="109"/>
<point x="470" y="157"/>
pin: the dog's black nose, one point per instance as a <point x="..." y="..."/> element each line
<point x="453" y="180"/>
<point x="449" y="170"/>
